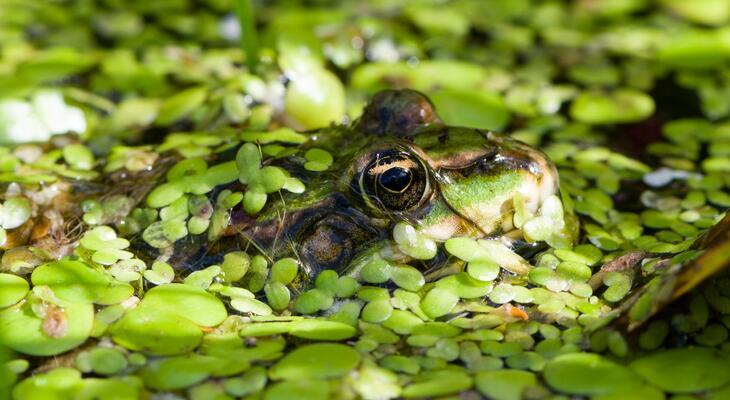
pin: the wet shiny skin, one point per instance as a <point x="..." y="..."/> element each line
<point x="398" y="162"/>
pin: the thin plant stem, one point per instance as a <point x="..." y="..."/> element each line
<point x="249" y="37"/>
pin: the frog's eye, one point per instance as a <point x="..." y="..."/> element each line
<point x="395" y="181"/>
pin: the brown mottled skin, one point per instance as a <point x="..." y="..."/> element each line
<point x="398" y="162"/>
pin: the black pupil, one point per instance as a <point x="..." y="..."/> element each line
<point x="396" y="179"/>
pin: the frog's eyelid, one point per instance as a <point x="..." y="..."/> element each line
<point x="489" y="156"/>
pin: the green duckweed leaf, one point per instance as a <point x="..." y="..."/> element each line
<point x="163" y="234"/>
<point x="14" y="212"/>
<point x="156" y="333"/>
<point x="160" y="273"/>
<point x="686" y="370"/>
<point x="407" y="277"/>
<point x="314" y="389"/>
<point x="186" y="168"/>
<point x="12" y="289"/>
<point x="57" y="384"/>
<point x="414" y="243"/>
<point x="250" y="306"/>
<point x="473" y="108"/>
<point x="235" y="265"/>
<point x="250" y="382"/>
<point x="64" y="327"/>
<point x="119" y="388"/>
<point x="437" y="20"/>
<point x="284" y="270"/>
<point x="306" y="103"/>
<point x="424" y="76"/>
<point x="316" y="361"/>
<point x="708" y="12"/>
<point x="313" y="300"/>
<point x="695" y="48"/>
<point x="588" y="374"/>
<point x="181" y="104"/>
<point x="165" y="194"/>
<point x="72" y="280"/>
<point x="504" y="385"/>
<point x="103" y="238"/>
<point x="278" y="295"/>
<point x="254" y="201"/>
<point x="178" y="372"/>
<point x="203" y="278"/>
<point x="317" y="160"/>
<point x="377" y="311"/>
<point x="439" y="301"/>
<point x="248" y="160"/>
<point x="78" y="156"/>
<point x="234" y="104"/>
<point x="619" y="106"/>
<point x="283" y="135"/>
<point x="438" y="383"/>
<point x="272" y="178"/>
<point x="294" y="185"/>
<point x="134" y="112"/>
<point x="314" y="329"/>
<point x="192" y="303"/>
<point x="104" y="361"/>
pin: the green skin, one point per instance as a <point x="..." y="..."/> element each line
<point x="455" y="182"/>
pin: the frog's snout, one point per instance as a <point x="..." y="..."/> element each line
<point x="484" y="192"/>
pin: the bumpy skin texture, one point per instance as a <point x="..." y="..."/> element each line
<point x="398" y="162"/>
<point x="397" y="113"/>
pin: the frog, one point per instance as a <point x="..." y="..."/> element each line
<point x="398" y="162"/>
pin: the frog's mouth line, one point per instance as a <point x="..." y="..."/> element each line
<point x="475" y="228"/>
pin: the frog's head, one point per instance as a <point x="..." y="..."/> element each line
<point x="448" y="181"/>
<point x="401" y="163"/>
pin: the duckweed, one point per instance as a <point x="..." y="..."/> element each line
<point x="588" y="374"/>
<point x="14" y="212"/>
<point x="437" y="383"/>
<point x="78" y="156"/>
<point x="178" y="372"/>
<point x="315" y="389"/>
<point x="46" y="329"/>
<point x="313" y="329"/>
<point x="72" y="281"/>
<point x="317" y="160"/>
<point x="180" y="105"/>
<point x="439" y="302"/>
<point x="315" y="361"/>
<point x="261" y="180"/>
<point x="14" y="289"/>
<point x="104" y="361"/>
<point x="684" y="370"/>
<point x="159" y="273"/>
<point x="284" y="271"/>
<point x="149" y="246"/>
<point x="504" y="385"/>
<point x="412" y="243"/>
